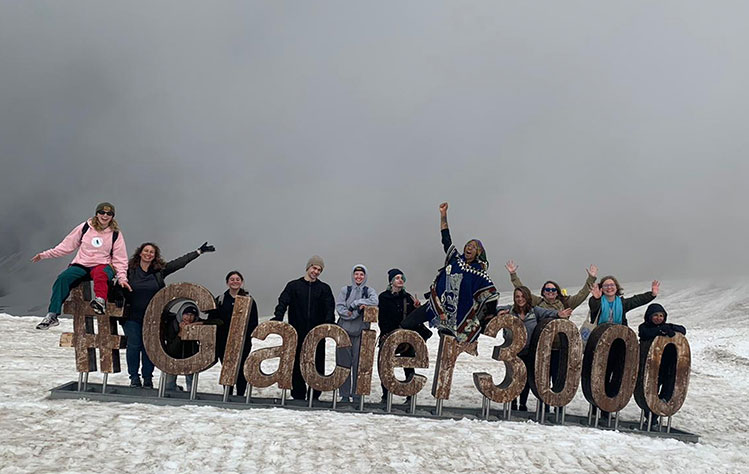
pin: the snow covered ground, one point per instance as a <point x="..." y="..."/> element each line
<point x="42" y="435"/>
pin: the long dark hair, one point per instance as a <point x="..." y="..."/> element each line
<point x="242" y="291"/>
<point x="526" y="292"/>
<point x="157" y="264"/>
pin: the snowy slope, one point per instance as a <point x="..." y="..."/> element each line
<point x="79" y="436"/>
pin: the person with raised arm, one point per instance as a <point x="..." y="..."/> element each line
<point x="101" y="255"/>
<point x="530" y="315"/>
<point x="146" y="272"/>
<point x="462" y="296"/>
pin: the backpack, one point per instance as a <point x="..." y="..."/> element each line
<point x="364" y="293"/>
<point x="115" y="234"/>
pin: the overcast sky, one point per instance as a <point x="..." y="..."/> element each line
<point x="561" y="133"/>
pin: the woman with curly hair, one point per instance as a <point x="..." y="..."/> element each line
<point x="146" y="272"/>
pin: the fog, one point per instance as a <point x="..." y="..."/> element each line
<point x="561" y="133"/>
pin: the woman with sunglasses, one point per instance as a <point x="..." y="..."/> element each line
<point x="530" y="315"/>
<point x="552" y="298"/>
<point x="146" y="272"/>
<point x="101" y="255"/>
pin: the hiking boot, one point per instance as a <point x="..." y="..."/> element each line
<point x="49" y="320"/>
<point x="408" y="401"/>
<point x="514" y="405"/>
<point x="345" y="400"/>
<point x="523" y="408"/>
<point x="135" y="382"/>
<point x="99" y="305"/>
<point x="147" y="383"/>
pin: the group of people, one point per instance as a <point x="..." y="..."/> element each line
<point x="460" y="302"/>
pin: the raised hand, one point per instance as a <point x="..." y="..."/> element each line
<point x="511" y="267"/>
<point x="36" y="257"/>
<point x="595" y="291"/>
<point x="565" y="313"/>
<point x="592" y="271"/>
<point x="654" y="287"/>
<point x="206" y="248"/>
<point x="416" y="301"/>
<point x="443" y="209"/>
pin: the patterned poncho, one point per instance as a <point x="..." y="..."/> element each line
<point x="464" y="294"/>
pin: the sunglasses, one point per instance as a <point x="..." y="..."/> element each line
<point x="550" y="290"/>
<point x="109" y="213"/>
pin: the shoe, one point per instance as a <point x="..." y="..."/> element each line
<point x="344" y="400"/>
<point x="523" y="408"/>
<point x="514" y="406"/>
<point x="408" y="401"/>
<point x="147" y="383"/>
<point x="49" y="320"/>
<point x="99" y="305"/>
<point x="384" y="399"/>
<point x="135" y="382"/>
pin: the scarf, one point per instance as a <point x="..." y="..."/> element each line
<point x="611" y="312"/>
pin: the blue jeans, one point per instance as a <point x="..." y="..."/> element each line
<point x="136" y="351"/>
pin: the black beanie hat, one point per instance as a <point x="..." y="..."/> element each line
<point x="392" y="273"/>
<point x="655" y="308"/>
<point x="190" y="310"/>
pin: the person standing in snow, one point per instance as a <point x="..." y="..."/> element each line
<point x="350" y="304"/>
<point x="655" y="325"/>
<point x="394" y="305"/>
<point x="101" y="256"/>
<point x="146" y="272"/>
<point x="178" y="348"/>
<point x="607" y="305"/>
<point x="530" y="316"/>
<point x="310" y="303"/>
<point x="552" y="298"/>
<point x="462" y="295"/>
<point x="222" y="315"/>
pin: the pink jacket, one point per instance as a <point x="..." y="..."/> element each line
<point x="93" y="250"/>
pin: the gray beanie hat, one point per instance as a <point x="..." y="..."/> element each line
<point x="315" y="260"/>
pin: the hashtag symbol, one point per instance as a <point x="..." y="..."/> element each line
<point x="86" y="341"/>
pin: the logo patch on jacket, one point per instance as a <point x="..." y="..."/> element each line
<point x="97" y="242"/>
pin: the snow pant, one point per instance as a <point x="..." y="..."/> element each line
<point x="74" y="274"/>
<point x="415" y="322"/>
<point x="135" y="351"/>
<point x="349" y="357"/>
<point x="298" y="385"/>
<point x="171" y="381"/>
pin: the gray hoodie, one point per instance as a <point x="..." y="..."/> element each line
<point x="354" y="323"/>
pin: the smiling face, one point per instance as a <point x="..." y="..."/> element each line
<point x="519" y="299"/>
<point x="471" y="251"/>
<point x="147" y="254"/>
<point x="658" y="318"/>
<point x="105" y="216"/>
<point x="358" y="277"/>
<point x="550" y="292"/>
<point x="313" y="272"/>
<point x="609" y="288"/>
<point x="234" y="282"/>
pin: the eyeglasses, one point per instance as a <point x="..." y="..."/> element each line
<point x="109" y="213"/>
<point x="550" y="290"/>
<point x="610" y="285"/>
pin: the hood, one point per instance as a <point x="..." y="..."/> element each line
<point x="366" y="274"/>
<point x="652" y="309"/>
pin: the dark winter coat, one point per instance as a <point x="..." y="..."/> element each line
<point x="649" y="331"/>
<point x="309" y="303"/>
<point x="221" y="317"/>
<point x="393" y="307"/>
<point x="627" y="303"/>
<point x="156" y="278"/>
<point x="175" y="346"/>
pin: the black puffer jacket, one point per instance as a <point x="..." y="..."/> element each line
<point x="649" y="331"/>
<point x="394" y="307"/>
<point x="309" y="303"/>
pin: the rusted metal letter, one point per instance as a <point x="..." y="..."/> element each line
<point x="610" y="366"/>
<point x="515" y="371"/>
<point x="235" y="342"/>
<point x="316" y="380"/>
<point x="286" y="352"/>
<point x="447" y="354"/>
<point x="388" y="361"/>
<point x="570" y="361"/>
<point x="670" y="359"/>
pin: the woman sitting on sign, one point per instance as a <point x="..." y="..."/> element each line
<point x="461" y="296"/>
<point x="101" y="256"/>
<point x="530" y="316"/>
<point x="146" y="272"/>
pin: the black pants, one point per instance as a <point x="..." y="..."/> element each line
<point x="415" y="322"/>
<point x="298" y="385"/>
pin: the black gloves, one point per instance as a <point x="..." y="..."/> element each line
<point x="206" y="248"/>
